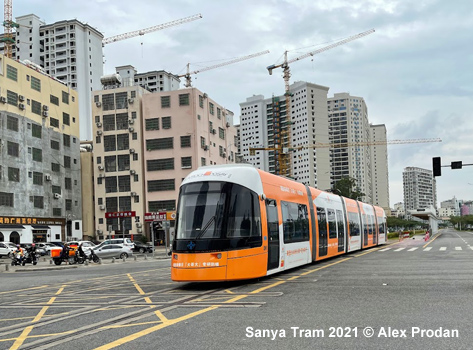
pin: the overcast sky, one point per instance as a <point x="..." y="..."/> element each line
<point x="415" y="72"/>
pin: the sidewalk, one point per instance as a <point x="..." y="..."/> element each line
<point x="46" y="263"/>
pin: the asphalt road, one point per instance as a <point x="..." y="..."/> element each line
<point x="405" y="295"/>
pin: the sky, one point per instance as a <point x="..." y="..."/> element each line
<point x="415" y="72"/>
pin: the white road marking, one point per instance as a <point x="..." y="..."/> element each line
<point x="427" y="249"/>
<point x="383" y="250"/>
<point x="443" y="248"/>
<point x="412" y="249"/>
<point x="399" y="249"/>
<point x="458" y="248"/>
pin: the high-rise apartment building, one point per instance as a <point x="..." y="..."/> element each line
<point x="348" y="119"/>
<point x="308" y="126"/>
<point x="419" y="189"/>
<point x="379" y="166"/>
<point x="67" y="50"/>
<point x="40" y="156"/>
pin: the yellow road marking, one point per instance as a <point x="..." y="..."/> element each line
<point x="130" y="325"/>
<point x="438" y="235"/>
<point x="323" y="267"/>
<point x="23" y="290"/>
<point x="39" y="336"/>
<point x="229" y="291"/>
<point x="138" y="288"/>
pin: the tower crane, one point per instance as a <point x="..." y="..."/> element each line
<point x="188" y="74"/>
<point x="135" y="33"/>
<point x="8" y="24"/>
<point x="283" y="136"/>
<point x="344" y="145"/>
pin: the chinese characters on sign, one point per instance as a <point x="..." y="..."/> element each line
<point x="120" y="214"/>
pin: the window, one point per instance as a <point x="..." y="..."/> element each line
<point x="12" y="123"/>
<point x="66" y="140"/>
<point x="123" y="162"/>
<point x="12" y="98"/>
<point x="219" y="113"/>
<point x="36" y="130"/>
<point x="332" y="223"/>
<point x="69" y="207"/>
<point x="66" y="119"/>
<point x="122" y="121"/>
<point x="108" y="102"/>
<point x="110" y="184"/>
<point x="55" y="145"/>
<point x="186" y="162"/>
<point x="162" y="143"/>
<point x="161" y="185"/>
<point x="35" y="84"/>
<point x="65" y="97"/>
<point x="201" y="101"/>
<point x="211" y="108"/>
<point x="162" y="205"/>
<point x="36" y="107"/>
<point x="13" y="149"/>
<point x="109" y="122"/>
<point x="54" y="122"/>
<point x="67" y="162"/>
<point x="165" y="101"/>
<point x="354" y="222"/>
<point x="13" y="174"/>
<point x="38" y="202"/>
<point x="295" y="222"/>
<point x="123" y="142"/>
<point x="57" y="212"/>
<point x="124" y="183"/>
<point x="68" y="183"/>
<point x="152" y="124"/>
<point x="54" y="100"/>
<point x="109" y="143"/>
<point x="203" y="161"/>
<point x="121" y="100"/>
<point x="166" y="121"/>
<point x="56" y="167"/>
<point x="110" y="163"/>
<point x="160" y="164"/>
<point x="12" y="73"/>
<point x="221" y="133"/>
<point x="184" y="100"/>
<point x="6" y="199"/>
<point x="185" y="141"/>
<point x="202" y="142"/>
<point x="56" y="189"/>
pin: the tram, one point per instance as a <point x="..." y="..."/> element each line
<point x="236" y="222"/>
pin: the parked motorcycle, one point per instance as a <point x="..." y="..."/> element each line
<point x="30" y="258"/>
<point x="16" y="259"/>
<point x="93" y="257"/>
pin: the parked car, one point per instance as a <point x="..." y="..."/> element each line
<point x="46" y="246"/>
<point x="121" y="251"/>
<point x="39" y="251"/>
<point x="125" y="241"/>
<point x="6" y="248"/>
<point x="143" y="247"/>
<point x="86" y="245"/>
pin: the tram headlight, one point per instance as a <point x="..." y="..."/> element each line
<point x="219" y="255"/>
<point x="175" y="256"/>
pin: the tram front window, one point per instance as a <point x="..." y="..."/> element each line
<point x="219" y="211"/>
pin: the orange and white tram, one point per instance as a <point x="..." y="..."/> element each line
<point x="236" y="222"/>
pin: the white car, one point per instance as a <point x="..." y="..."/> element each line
<point x="6" y="248"/>
<point x="46" y="246"/>
<point x="113" y="251"/>
<point x="86" y="245"/>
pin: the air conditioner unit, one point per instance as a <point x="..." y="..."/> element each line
<point x="131" y="100"/>
<point x="133" y="194"/>
<point x="132" y="172"/>
<point x="102" y="207"/>
<point x="99" y="124"/>
<point x="100" y="167"/>
<point x="99" y="232"/>
<point x="214" y="131"/>
<point x="21" y="106"/>
<point x="205" y="95"/>
<point x="98" y="104"/>
<point x="45" y="108"/>
<point x="3" y="99"/>
<point x="47" y="177"/>
<point x="132" y="150"/>
<point x="131" y="121"/>
<point x="139" y="225"/>
<point x="228" y="124"/>
<point x="21" y="97"/>
<point x="131" y="129"/>
<point x="139" y="230"/>
<point x="99" y="132"/>
<point x="224" y="155"/>
<point x="45" y="114"/>
<point x="206" y="148"/>
<point x="57" y="195"/>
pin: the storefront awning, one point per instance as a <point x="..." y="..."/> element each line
<point x="40" y="227"/>
<point x="11" y="226"/>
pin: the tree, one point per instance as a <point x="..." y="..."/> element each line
<point x="346" y="187"/>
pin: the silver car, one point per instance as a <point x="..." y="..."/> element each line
<point x="113" y="251"/>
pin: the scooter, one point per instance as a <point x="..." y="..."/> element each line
<point x="93" y="257"/>
<point x="30" y="258"/>
<point x="16" y="259"/>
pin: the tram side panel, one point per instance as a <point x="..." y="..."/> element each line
<point x="354" y="224"/>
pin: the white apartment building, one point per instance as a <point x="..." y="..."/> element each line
<point x="398" y="210"/>
<point x="379" y="166"/>
<point x="419" y="189"/>
<point x="67" y="50"/>
<point x="309" y="125"/>
<point x="154" y="81"/>
<point x="453" y="204"/>
<point x="348" y="123"/>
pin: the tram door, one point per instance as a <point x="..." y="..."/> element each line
<point x="273" y="233"/>
<point x="322" y="219"/>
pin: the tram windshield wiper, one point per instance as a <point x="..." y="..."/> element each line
<point x="207" y="225"/>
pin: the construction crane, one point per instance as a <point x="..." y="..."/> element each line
<point x="343" y="145"/>
<point x="128" y="35"/>
<point x="283" y="136"/>
<point x="9" y="25"/>
<point x="188" y="74"/>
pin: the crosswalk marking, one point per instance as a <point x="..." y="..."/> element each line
<point x="383" y="250"/>
<point x="458" y="248"/>
<point x="443" y="248"/>
<point x="399" y="249"/>
<point x="427" y="249"/>
<point x="412" y="249"/>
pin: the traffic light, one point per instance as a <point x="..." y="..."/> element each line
<point x="456" y="165"/>
<point x="436" y="166"/>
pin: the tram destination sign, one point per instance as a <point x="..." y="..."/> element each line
<point x="120" y="214"/>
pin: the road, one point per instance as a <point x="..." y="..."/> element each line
<point x="398" y="296"/>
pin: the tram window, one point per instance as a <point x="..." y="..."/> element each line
<point x="354" y="221"/>
<point x="295" y="222"/>
<point x="322" y="219"/>
<point x="332" y="225"/>
<point x="243" y="214"/>
<point x="340" y="222"/>
<point x="381" y="224"/>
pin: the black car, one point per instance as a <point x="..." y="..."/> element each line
<point x="141" y="247"/>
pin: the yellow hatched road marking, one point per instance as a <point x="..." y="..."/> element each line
<point x="425" y="245"/>
<point x="138" y="288"/>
